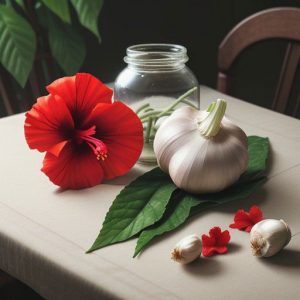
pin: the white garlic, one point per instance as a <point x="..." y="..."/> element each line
<point x="269" y="236"/>
<point x="187" y="250"/>
<point x="202" y="151"/>
<point x="160" y="121"/>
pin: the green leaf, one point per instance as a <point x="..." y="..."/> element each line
<point x="17" y="44"/>
<point x="192" y="204"/>
<point x="88" y="12"/>
<point x="178" y="211"/>
<point x="20" y="3"/>
<point x="139" y="205"/>
<point x="66" y="45"/>
<point x="258" y="150"/>
<point x="60" y="8"/>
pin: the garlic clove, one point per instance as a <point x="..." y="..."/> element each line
<point x="187" y="249"/>
<point x="269" y="236"/>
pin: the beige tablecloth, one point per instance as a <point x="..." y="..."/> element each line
<point x="44" y="232"/>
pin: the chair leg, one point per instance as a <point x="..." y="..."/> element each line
<point x="289" y="68"/>
<point x="297" y="106"/>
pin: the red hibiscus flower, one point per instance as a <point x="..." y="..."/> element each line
<point x="216" y="242"/>
<point x="86" y="136"/>
<point x="246" y="220"/>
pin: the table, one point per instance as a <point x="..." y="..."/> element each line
<point x="44" y="232"/>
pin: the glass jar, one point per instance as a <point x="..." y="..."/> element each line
<point x="155" y="77"/>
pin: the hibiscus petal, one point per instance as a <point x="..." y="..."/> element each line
<point x="221" y="250"/>
<point x="64" y="87"/>
<point x="215" y="232"/>
<point x="47" y="123"/>
<point x="224" y="238"/>
<point x="56" y="149"/>
<point x="241" y="215"/>
<point x="122" y="132"/>
<point x="240" y="224"/>
<point x="245" y="221"/>
<point x="248" y="228"/>
<point x="208" y="251"/>
<point x="216" y="241"/>
<point x="255" y="214"/>
<point x="81" y="93"/>
<point x="207" y="241"/>
<point x="91" y="91"/>
<point x="73" y="169"/>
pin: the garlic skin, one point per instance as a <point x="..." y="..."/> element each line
<point x="268" y="237"/>
<point x="160" y="121"/>
<point x="199" y="157"/>
<point x="187" y="249"/>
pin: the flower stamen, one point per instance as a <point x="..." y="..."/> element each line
<point x="98" y="147"/>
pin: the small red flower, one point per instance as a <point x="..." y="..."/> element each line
<point x="216" y="242"/>
<point x="86" y="136"/>
<point x="246" y="220"/>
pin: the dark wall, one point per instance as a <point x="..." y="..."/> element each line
<point x="197" y="24"/>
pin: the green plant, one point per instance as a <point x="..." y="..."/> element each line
<point x="31" y="31"/>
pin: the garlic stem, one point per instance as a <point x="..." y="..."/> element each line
<point x="148" y="109"/>
<point x="211" y="124"/>
<point x="149" y="127"/>
<point x="149" y="114"/>
<point x="174" y="104"/>
<point x="211" y="107"/>
<point x="148" y="130"/>
<point x="142" y="108"/>
<point x="189" y="103"/>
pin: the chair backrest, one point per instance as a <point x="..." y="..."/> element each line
<point x="274" y="23"/>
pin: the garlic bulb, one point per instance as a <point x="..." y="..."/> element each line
<point x="268" y="237"/>
<point x="187" y="250"/>
<point x="202" y="151"/>
<point x="160" y="121"/>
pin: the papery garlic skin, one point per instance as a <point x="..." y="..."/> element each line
<point x="196" y="163"/>
<point x="269" y="236"/>
<point x="187" y="249"/>
<point x="160" y="121"/>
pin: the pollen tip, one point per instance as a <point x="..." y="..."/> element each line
<point x="98" y="147"/>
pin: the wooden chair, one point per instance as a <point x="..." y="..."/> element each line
<point x="274" y="23"/>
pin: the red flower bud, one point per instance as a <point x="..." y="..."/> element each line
<point x="216" y="242"/>
<point x="246" y="220"/>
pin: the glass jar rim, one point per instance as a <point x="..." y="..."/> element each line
<point x="156" y="55"/>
